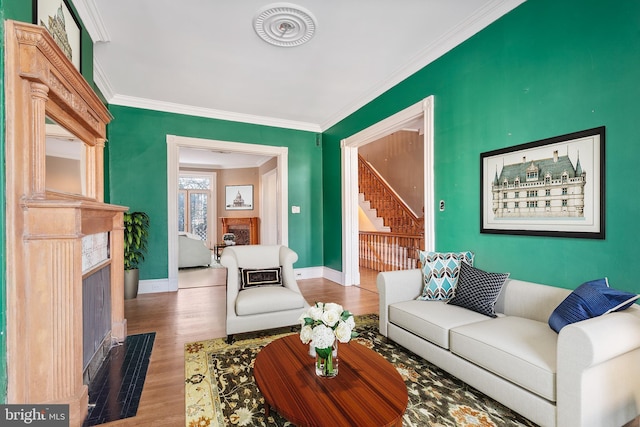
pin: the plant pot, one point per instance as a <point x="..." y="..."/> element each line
<point x="131" y="281"/>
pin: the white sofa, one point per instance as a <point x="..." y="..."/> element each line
<point x="192" y="251"/>
<point x="587" y="375"/>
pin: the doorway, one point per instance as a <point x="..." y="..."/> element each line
<point x="421" y="111"/>
<point x="269" y="208"/>
<point x="174" y="143"/>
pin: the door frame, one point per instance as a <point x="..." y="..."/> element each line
<point x="265" y="199"/>
<point x="349" y="149"/>
<point x="174" y="142"/>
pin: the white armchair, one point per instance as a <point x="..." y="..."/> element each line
<point x="261" y="307"/>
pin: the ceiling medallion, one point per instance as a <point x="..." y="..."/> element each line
<point x="284" y="24"/>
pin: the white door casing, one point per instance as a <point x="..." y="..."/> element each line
<point x="174" y="143"/>
<point x="268" y="208"/>
<point x="349" y="147"/>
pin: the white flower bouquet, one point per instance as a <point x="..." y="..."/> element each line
<point x="322" y="326"/>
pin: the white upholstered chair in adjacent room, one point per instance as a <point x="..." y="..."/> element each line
<point x="260" y="304"/>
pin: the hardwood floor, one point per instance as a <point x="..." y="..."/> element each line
<point x="198" y="313"/>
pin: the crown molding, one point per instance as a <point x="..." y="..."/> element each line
<point x="101" y="80"/>
<point x="189" y="110"/>
<point x="482" y="18"/>
<point x="92" y="20"/>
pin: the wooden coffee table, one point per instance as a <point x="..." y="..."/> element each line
<point x="368" y="390"/>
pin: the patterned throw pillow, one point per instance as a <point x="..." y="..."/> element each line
<point x="591" y="299"/>
<point x="440" y="273"/>
<point x="478" y="290"/>
<point x="252" y="278"/>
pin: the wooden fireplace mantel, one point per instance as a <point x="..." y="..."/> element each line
<point x="45" y="228"/>
<point x="252" y="223"/>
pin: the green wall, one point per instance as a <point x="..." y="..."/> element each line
<point x="547" y="68"/>
<point x="138" y="169"/>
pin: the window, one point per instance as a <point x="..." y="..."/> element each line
<point x="564" y="191"/>
<point x="516" y="194"/>
<point x="532" y="204"/>
<point x="193" y="204"/>
<point x="504" y="195"/>
<point x="504" y="205"/>
<point x="532" y="193"/>
<point x="547" y="203"/>
<point x="564" y="203"/>
<point x="547" y="192"/>
<point x="532" y="175"/>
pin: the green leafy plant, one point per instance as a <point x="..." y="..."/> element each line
<point x="136" y="232"/>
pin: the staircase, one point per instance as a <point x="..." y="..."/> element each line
<point x="396" y="214"/>
<point x="376" y="222"/>
<point x="399" y="232"/>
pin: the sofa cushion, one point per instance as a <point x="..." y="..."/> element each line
<point x="591" y="299"/>
<point x="440" y="273"/>
<point x="520" y="350"/>
<point x="478" y="290"/>
<point x="267" y="299"/>
<point x="431" y="320"/>
<point x="254" y="277"/>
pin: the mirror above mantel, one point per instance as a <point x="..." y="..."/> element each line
<point x="65" y="163"/>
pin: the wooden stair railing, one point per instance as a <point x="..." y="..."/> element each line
<point x="397" y="250"/>
<point x="389" y="251"/>
<point x="395" y="213"/>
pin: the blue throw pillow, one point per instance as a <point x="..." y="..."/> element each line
<point x="591" y="299"/>
<point x="440" y="271"/>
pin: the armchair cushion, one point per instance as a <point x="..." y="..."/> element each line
<point x="267" y="299"/>
<point x="254" y="277"/>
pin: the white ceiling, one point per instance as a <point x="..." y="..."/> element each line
<point x="203" y="57"/>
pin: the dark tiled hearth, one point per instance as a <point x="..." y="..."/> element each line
<point x="116" y="388"/>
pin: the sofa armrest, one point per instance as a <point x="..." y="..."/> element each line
<point x="397" y="286"/>
<point x="598" y="372"/>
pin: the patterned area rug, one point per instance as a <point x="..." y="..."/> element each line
<point x="220" y="389"/>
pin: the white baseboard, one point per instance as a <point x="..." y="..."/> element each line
<point x="308" y="273"/>
<point x="154" y="286"/>
<point x="165" y="285"/>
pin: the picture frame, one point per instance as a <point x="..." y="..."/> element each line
<point x="552" y="187"/>
<point x="238" y="197"/>
<point x="58" y="18"/>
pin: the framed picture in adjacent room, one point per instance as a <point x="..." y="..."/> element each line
<point x="238" y="197"/>
<point x="57" y="17"/>
<point x="552" y="187"/>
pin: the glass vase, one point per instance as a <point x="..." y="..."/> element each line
<point x="327" y="361"/>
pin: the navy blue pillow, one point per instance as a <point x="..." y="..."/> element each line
<point x="591" y="299"/>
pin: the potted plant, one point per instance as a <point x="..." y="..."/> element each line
<point x="136" y="231"/>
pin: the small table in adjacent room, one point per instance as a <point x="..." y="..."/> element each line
<point x="217" y="250"/>
<point x="368" y="390"/>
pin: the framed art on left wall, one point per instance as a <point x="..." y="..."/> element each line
<point x="58" y="18"/>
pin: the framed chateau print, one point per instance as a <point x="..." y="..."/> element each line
<point x="56" y="16"/>
<point x="552" y="187"/>
<point x="238" y="197"/>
